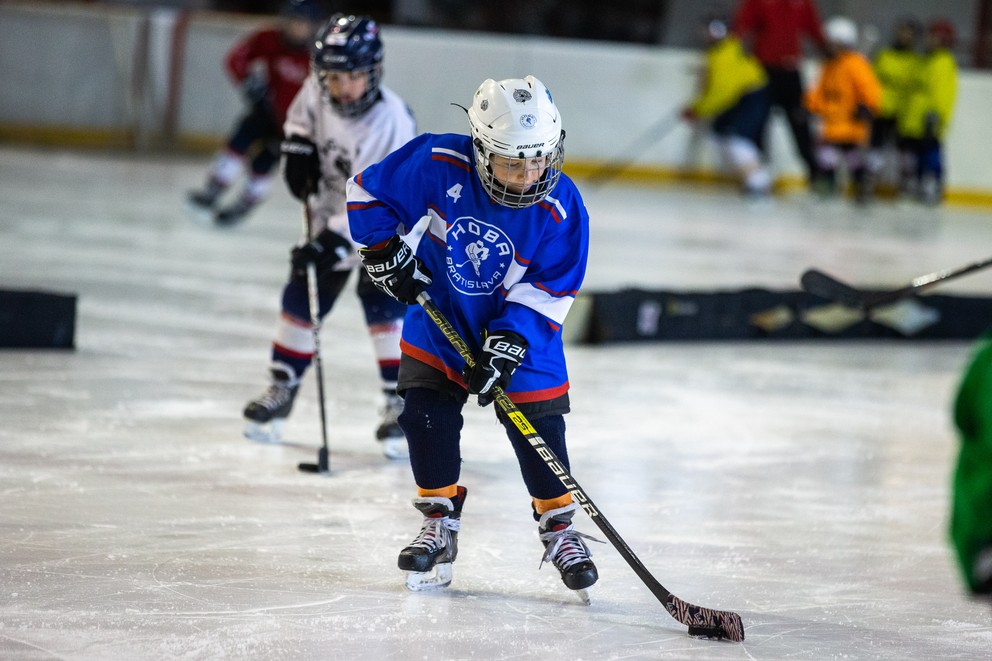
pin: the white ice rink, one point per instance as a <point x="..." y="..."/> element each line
<point x="804" y="485"/>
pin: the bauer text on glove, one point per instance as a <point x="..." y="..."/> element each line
<point x="501" y="354"/>
<point x="396" y="270"/>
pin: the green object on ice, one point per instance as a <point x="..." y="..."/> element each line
<point x="971" y="513"/>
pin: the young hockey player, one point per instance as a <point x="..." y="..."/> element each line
<point x="845" y="99"/>
<point x="733" y="97"/>
<point x="928" y="111"/>
<point x="500" y="242"/>
<point x="341" y="121"/>
<point x="268" y="66"/>
<point x="896" y="68"/>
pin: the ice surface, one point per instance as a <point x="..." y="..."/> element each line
<point x="803" y="485"/>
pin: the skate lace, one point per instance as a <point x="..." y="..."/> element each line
<point x="276" y="396"/>
<point x="436" y="533"/>
<point x="565" y="547"/>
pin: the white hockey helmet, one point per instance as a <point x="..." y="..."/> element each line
<point x="516" y="118"/>
<point x="841" y="31"/>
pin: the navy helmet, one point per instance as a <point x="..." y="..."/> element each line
<point x="350" y="44"/>
<point x="307" y="10"/>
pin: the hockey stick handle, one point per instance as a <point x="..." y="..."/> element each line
<point x="721" y="623"/>
<point x="323" y="460"/>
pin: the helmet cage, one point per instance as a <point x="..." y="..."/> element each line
<point x="516" y="119"/>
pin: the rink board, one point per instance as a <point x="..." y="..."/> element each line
<point x="632" y="315"/>
<point x="37" y="320"/>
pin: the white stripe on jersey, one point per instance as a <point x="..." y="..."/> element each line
<point x="450" y="152"/>
<point x="552" y="307"/>
<point x="561" y="209"/>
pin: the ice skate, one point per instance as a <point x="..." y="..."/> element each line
<point x="267" y="414"/>
<point x="389" y="433"/>
<point x="201" y="202"/>
<point x="563" y="547"/>
<point x="233" y="214"/>
<point x="428" y="558"/>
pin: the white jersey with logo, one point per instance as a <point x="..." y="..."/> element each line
<point x="346" y="145"/>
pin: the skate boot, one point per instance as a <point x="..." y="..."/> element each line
<point x="428" y="558"/>
<point x="563" y="547"/>
<point x="268" y="412"/>
<point x="389" y="433"/>
<point x="231" y="215"/>
<point x="201" y="202"/>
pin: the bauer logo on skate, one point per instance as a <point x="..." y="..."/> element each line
<point x="479" y="255"/>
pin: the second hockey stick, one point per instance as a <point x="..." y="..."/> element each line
<point x="323" y="455"/>
<point x="826" y="286"/>
<point x="702" y="622"/>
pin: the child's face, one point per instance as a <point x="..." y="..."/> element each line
<point x="346" y="87"/>
<point x="518" y="175"/>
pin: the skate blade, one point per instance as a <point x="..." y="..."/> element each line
<point x="584" y="596"/>
<point x="395" y="448"/>
<point x="262" y="432"/>
<point x="202" y="216"/>
<point x="437" y="578"/>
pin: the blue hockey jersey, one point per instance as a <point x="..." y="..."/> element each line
<point x="493" y="267"/>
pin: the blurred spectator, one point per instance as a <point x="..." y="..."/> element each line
<point x="775" y="30"/>
<point x="268" y="66"/>
<point x="733" y="97"/>
<point x="928" y="111"/>
<point x="844" y="100"/>
<point x="896" y="67"/>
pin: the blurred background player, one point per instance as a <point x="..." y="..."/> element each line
<point x="503" y="256"/>
<point x="844" y="100"/>
<point x="928" y="112"/>
<point x="268" y="66"/>
<point x="774" y="31"/>
<point x="733" y="98"/>
<point x="896" y="68"/>
<point x="342" y="120"/>
<point x="971" y="510"/>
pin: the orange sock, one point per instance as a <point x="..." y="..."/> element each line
<point x="545" y="505"/>
<point x="444" y="492"/>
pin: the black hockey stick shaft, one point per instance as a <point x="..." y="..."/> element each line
<point x="323" y="455"/>
<point x="654" y="134"/>
<point x="819" y="283"/>
<point x="701" y="621"/>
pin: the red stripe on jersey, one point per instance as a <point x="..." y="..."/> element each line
<point x="552" y="209"/>
<point x="437" y="211"/>
<point x="454" y="161"/>
<point x="538" y="395"/>
<point x="435" y="239"/>
<point x="553" y="325"/>
<point x="524" y="262"/>
<point x="432" y="360"/>
<point x="360" y="206"/>
<point x="557" y="294"/>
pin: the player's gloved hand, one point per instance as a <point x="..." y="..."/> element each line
<point x="501" y="354"/>
<point x="302" y="166"/>
<point x="254" y="88"/>
<point x="863" y="113"/>
<point x="931" y="122"/>
<point x="326" y="250"/>
<point x="396" y="270"/>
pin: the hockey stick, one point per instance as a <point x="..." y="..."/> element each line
<point x="820" y="284"/>
<point x="655" y="133"/>
<point x="323" y="455"/>
<point x="702" y="622"/>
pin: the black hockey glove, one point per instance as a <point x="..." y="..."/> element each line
<point x="863" y="113"/>
<point x="396" y="270"/>
<point x="255" y="89"/>
<point x="323" y="252"/>
<point x="302" y="166"/>
<point x="501" y="354"/>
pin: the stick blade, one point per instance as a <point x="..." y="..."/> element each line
<point x="706" y="622"/>
<point x="826" y="286"/>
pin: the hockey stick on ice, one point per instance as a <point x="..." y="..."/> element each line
<point x="654" y="134"/>
<point x="820" y="284"/>
<point x="703" y="622"/>
<point x="323" y="455"/>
